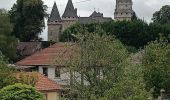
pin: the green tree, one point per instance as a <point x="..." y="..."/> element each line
<point x="20" y="92"/>
<point x="162" y="16"/>
<point x="6" y="73"/>
<point x="28" y="19"/>
<point x="8" y="42"/>
<point x="156" y="62"/>
<point x="100" y="61"/>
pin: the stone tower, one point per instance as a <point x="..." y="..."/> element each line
<point x="123" y="10"/>
<point x="70" y="15"/>
<point x="54" y="24"/>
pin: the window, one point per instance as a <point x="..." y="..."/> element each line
<point x="51" y="33"/>
<point x="45" y="71"/>
<point x="57" y="72"/>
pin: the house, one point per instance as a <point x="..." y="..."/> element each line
<point x="50" y="62"/>
<point x="25" y="49"/>
<point x="50" y="89"/>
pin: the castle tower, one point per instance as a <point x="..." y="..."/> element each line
<point x="54" y="24"/>
<point x="123" y="10"/>
<point x="70" y="15"/>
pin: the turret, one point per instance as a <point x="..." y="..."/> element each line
<point x="70" y="15"/>
<point x="54" y="24"/>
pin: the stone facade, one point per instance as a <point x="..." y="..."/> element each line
<point x="56" y="24"/>
<point x="123" y="10"/>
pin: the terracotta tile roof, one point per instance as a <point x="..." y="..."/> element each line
<point x="45" y="84"/>
<point x="56" y="55"/>
<point x="42" y="83"/>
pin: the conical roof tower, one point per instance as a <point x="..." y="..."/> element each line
<point x="55" y="15"/>
<point x="70" y="11"/>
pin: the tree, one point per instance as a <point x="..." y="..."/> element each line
<point x="6" y="77"/>
<point x="8" y="42"/>
<point x="156" y="62"/>
<point x="131" y="85"/>
<point x="100" y="61"/>
<point x="20" y="92"/>
<point x="162" y="16"/>
<point x="28" y="19"/>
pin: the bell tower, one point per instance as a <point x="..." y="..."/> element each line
<point x="123" y="10"/>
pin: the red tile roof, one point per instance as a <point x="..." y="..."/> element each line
<point x="45" y="84"/>
<point x="42" y="83"/>
<point x="56" y="54"/>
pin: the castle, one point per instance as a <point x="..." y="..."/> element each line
<point x="57" y="24"/>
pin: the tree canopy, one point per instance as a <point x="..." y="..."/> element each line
<point x="162" y="16"/>
<point x="28" y="19"/>
<point x="20" y="92"/>
<point x="6" y="77"/>
<point x="7" y="41"/>
<point x="136" y="33"/>
<point x="100" y="60"/>
<point x="156" y="62"/>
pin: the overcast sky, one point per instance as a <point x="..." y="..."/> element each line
<point x="143" y="8"/>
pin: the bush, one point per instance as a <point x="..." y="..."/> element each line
<point x="20" y="92"/>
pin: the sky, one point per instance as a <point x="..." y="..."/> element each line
<point x="143" y="8"/>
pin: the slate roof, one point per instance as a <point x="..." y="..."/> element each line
<point x="89" y="20"/>
<point x="28" y="48"/>
<point x="70" y="11"/>
<point x="96" y="14"/>
<point x="56" y="55"/>
<point x="55" y="15"/>
<point x="124" y="1"/>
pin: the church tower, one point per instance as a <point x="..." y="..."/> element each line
<point x="123" y="10"/>
<point x="70" y="15"/>
<point x="54" y="24"/>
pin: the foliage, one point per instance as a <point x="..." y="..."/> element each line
<point x="28" y="19"/>
<point x="156" y="62"/>
<point x="7" y="41"/>
<point x="100" y="61"/>
<point x="131" y="85"/>
<point x="135" y="34"/>
<point x="20" y="92"/>
<point x="6" y="72"/>
<point x="162" y="16"/>
<point x="27" y="78"/>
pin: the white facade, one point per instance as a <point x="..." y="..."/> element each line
<point x="63" y="79"/>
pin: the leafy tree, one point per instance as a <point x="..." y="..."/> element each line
<point x="134" y="34"/>
<point x="7" y="41"/>
<point x="100" y="61"/>
<point x="162" y="16"/>
<point x="28" y="19"/>
<point x="131" y="85"/>
<point x="156" y="62"/>
<point x="20" y="92"/>
<point x="6" y="77"/>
